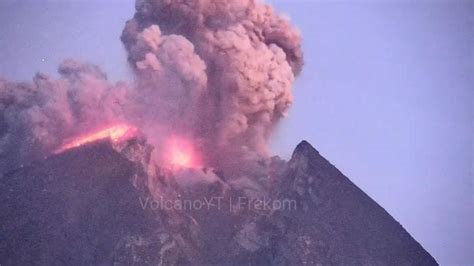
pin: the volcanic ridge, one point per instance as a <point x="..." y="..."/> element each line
<point x="108" y="203"/>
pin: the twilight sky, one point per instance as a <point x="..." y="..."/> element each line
<point x="386" y="95"/>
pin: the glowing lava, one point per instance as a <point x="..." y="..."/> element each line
<point x="181" y="153"/>
<point x="115" y="133"/>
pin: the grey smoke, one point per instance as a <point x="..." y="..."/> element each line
<point x="36" y="117"/>
<point x="232" y="64"/>
<point x="217" y="72"/>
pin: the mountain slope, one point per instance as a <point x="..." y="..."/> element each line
<point x="79" y="208"/>
<point x="84" y="207"/>
<point x="336" y="222"/>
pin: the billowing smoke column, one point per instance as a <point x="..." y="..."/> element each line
<point x="35" y="118"/>
<point x="216" y="73"/>
<point x="221" y="70"/>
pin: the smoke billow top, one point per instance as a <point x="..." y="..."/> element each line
<point x="218" y="73"/>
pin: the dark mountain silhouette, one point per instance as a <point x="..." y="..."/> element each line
<point x="86" y="207"/>
<point x="337" y="223"/>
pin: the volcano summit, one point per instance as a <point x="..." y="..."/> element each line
<point x="85" y="207"/>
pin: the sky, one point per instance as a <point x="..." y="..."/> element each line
<point x="386" y="95"/>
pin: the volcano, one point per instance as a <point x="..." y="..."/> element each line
<point x="91" y="205"/>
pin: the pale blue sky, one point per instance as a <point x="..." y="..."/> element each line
<point x="385" y="95"/>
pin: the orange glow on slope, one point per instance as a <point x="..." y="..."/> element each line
<point x="181" y="153"/>
<point x="115" y="133"/>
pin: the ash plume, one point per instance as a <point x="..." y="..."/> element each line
<point x="217" y="72"/>
<point x="36" y="117"/>
<point x="230" y="64"/>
